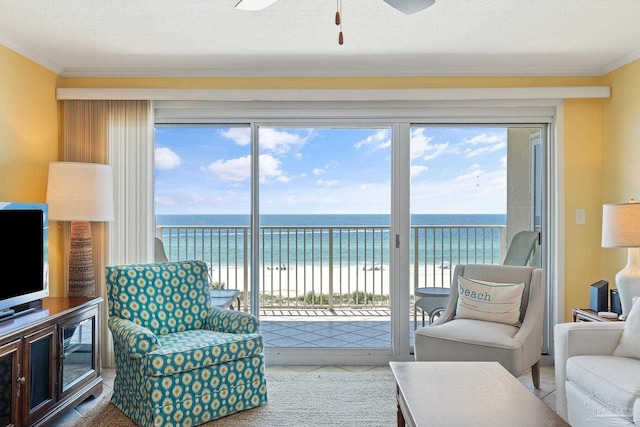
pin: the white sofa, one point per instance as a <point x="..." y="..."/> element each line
<point x="594" y="387"/>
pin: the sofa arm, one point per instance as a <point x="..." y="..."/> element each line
<point x="580" y="338"/>
<point x="137" y="339"/>
<point x="232" y="321"/>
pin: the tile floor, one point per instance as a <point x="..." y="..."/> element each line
<point x="546" y="391"/>
<point x="325" y="328"/>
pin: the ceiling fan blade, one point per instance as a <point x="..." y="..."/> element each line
<point x="254" y="4"/>
<point x="410" y="6"/>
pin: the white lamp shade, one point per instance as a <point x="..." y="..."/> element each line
<point x="621" y="225"/>
<point x="80" y="192"/>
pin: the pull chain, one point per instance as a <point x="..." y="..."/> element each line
<point x="339" y="20"/>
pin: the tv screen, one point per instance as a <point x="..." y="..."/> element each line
<point x="25" y="276"/>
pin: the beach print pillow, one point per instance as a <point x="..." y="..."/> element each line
<point x="489" y="301"/>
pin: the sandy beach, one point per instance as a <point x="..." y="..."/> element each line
<point x="279" y="284"/>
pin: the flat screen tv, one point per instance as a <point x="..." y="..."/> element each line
<point x="25" y="259"/>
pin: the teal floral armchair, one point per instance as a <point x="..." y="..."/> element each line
<point x="179" y="361"/>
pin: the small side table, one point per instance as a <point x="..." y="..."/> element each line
<point x="587" y="315"/>
<point x="432" y="301"/>
<point x="224" y="298"/>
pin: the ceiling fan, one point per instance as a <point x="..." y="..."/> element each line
<point x="405" y="6"/>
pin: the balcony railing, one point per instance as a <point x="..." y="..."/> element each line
<point x="308" y="267"/>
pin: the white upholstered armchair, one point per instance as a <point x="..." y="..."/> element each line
<point x="510" y="334"/>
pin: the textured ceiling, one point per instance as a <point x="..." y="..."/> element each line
<point x="299" y="37"/>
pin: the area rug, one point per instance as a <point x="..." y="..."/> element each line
<point x="312" y="398"/>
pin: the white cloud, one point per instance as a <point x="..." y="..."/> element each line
<point x="231" y="170"/>
<point x="279" y="142"/>
<point x="421" y="147"/>
<point x="165" y="201"/>
<point x="240" y="169"/>
<point x="327" y="182"/>
<point x="384" y="144"/>
<point x="165" y="159"/>
<point x="486" y="138"/>
<point x="485" y="143"/>
<point x="330" y="165"/>
<point x="417" y="170"/>
<point x="240" y="135"/>
<point x="437" y="150"/>
<point x="381" y="139"/>
<point x="471" y="175"/>
<point x="486" y="150"/>
<point x="270" y="168"/>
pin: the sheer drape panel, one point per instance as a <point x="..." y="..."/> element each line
<point x="131" y="153"/>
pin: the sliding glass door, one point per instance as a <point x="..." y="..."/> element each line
<point x="307" y="221"/>
<point x="324" y="236"/>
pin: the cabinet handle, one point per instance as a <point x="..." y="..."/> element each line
<point x="21" y="380"/>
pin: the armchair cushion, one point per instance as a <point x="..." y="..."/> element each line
<point x="490" y="301"/>
<point x="184" y="351"/>
<point x="479" y="332"/>
<point x="611" y="381"/>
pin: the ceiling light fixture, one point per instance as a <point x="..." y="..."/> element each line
<point x="409" y="7"/>
<point x="254" y="4"/>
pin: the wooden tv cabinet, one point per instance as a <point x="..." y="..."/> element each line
<point x="49" y="360"/>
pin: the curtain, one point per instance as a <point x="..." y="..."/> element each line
<point x="119" y="133"/>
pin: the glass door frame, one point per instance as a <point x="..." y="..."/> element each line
<point x="400" y="121"/>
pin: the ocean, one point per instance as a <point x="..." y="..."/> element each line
<point x="289" y="240"/>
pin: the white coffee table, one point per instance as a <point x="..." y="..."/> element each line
<point x="466" y="394"/>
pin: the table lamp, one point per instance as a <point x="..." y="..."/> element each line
<point x="80" y="192"/>
<point x="621" y="229"/>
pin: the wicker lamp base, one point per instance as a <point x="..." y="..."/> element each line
<point x="81" y="274"/>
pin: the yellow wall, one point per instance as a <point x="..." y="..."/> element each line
<point x="600" y="143"/>
<point x="28" y="139"/>
<point x="582" y="174"/>
<point x="620" y="150"/>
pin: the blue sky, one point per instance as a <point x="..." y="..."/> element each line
<point x="206" y="170"/>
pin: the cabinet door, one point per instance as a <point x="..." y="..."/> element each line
<point x="78" y="352"/>
<point x="11" y="383"/>
<point x="40" y="369"/>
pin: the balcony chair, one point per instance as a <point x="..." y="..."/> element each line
<point x="522" y="248"/>
<point x="180" y="361"/>
<point x="159" y="253"/>
<point x="498" y="317"/>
